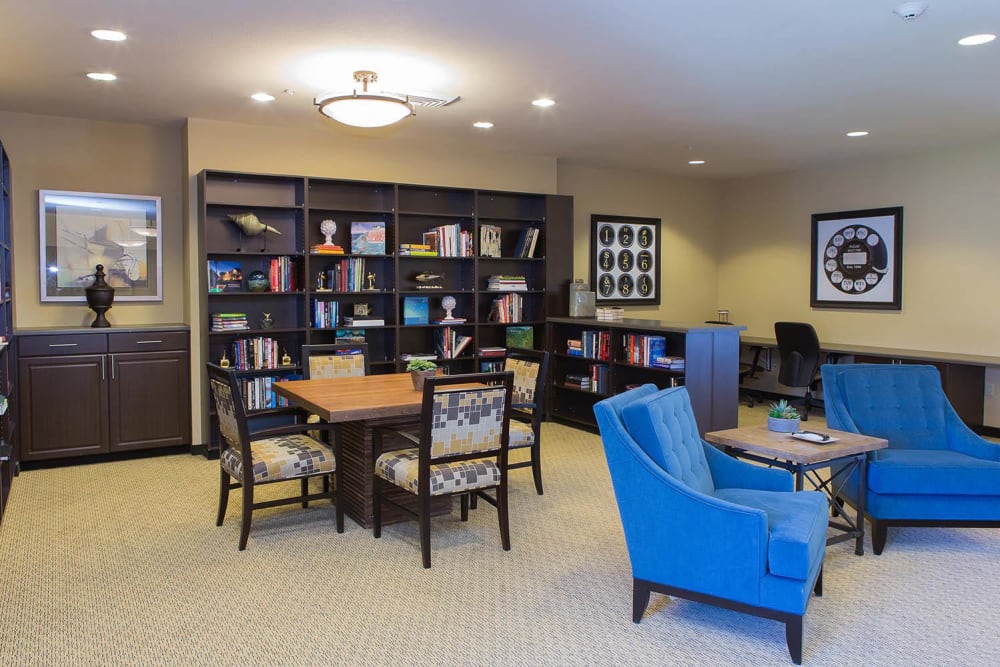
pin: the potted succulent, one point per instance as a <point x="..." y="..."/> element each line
<point x="782" y="417"/>
<point x="420" y="369"/>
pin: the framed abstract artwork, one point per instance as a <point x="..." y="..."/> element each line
<point x="625" y="260"/>
<point x="79" y="230"/>
<point x="857" y="259"/>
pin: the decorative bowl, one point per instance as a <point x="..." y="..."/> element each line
<point x="257" y="282"/>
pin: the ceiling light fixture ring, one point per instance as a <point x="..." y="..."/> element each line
<point x="365" y="109"/>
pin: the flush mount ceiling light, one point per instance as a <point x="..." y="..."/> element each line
<point x="109" y="35"/>
<point x="366" y="109"/>
<point x="483" y="124"/>
<point x="857" y="133"/>
<point x="101" y="76"/>
<point x="696" y="162"/>
<point x="543" y="102"/>
<point x="977" y="40"/>
<point x="262" y="97"/>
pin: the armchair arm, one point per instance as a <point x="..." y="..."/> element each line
<point x="290" y="429"/>
<point x="677" y="536"/>
<point x="729" y="472"/>
<point x="962" y="439"/>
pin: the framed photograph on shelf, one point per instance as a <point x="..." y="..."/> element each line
<point x="857" y="259"/>
<point x="79" y="230"/>
<point x="625" y="260"/>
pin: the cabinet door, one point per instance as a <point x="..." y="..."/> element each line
<point x="64" y="406"/>
<point x="150" y="404"/>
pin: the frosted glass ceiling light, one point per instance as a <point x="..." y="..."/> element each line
<point x="109" y="35"/>
<point x="365" y="109"/>
<point x="977" y="40"/>
<point x="101" y="76"/>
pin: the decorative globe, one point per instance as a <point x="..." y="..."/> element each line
<point x="257" y="282"/>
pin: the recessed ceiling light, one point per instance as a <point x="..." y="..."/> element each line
<point x="696" y="162"/>
<point x="543" y="102"/>
<point x="977" y="40"/>
<point x="262" y="97"/>
<point x="483" y="124"/>
<point x="858" y="133"/>
<point x="109" y="35"/>
<point x="101" y="76"/>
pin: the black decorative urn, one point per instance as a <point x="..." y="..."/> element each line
<point x="100" y="295"/>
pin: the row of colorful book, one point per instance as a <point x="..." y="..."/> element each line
<point x="528" y="242"/>
<point x="591" y="344"/>
<point x="449" y="343"/>
<point x="596" y="380"/>
<point x="258" y="393"/>
<point x="255" y="353"/>
<point x="643" y="349"/>
<point x="451" y="240"/>
<point x="282" y="275"/>
<point x="325" y="314"/>
<point x="346" y="275"/>
<point x="507" y="308"/>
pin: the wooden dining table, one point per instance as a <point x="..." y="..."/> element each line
<point x="357" y="405"/>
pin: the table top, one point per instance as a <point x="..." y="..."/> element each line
<point x="357" y="398"/>
<point x="892" y="352"/>
<point x="758" y="440"/>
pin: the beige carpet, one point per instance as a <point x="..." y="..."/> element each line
<point x="121" y="564"/>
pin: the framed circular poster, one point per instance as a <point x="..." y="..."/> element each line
<point x="857" y="259"/>
<point x="625" y="260"/>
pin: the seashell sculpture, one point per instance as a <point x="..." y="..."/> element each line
<point x="250" y="225"/>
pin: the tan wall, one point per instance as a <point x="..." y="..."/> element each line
<point x="689" y="209"/>
<point x="330" y="152"/>
<point x="951" y="235"/>
<point x="55" y="153"/>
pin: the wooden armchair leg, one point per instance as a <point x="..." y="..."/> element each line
<point x="879" y="534"/>
<point x="640" y="598"/>
<point x="247" y="515"/>
<point x="536" y="468"/>
<point x="305" y="491"/>
<point x="223" y="496"/>
<point x="818" y="588"/>
<point x="793" y="637"/>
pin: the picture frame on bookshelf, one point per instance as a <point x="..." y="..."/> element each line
<point x="416" y="310"/>
<point x="79" y="230"/>
<point x="521" y="337"/>
<point x="625" y="260"/>
<point x="368" y="238"/>
<point x="224" y="276"/>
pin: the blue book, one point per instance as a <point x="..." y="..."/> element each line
<point x="368" y="238"/>
<point x="416" y="310"/>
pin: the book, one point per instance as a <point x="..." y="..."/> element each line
<point x="489" y="241"/>
<point x="349" y="335"/>
<point x="416" y="310"/>
<point x="224" y="276"/>
<point x="364" y="321"/>
<point x="368" y="238"/>
<point x="523" y="337"/>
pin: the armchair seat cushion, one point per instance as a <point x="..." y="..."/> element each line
<point x="401" y="467"/>
<point x="932" y="472"/>
<point x="281" y="457"/>
<point x="796" y="527"/>
<point x="521" y="435"/>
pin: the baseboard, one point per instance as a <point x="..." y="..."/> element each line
<point x="101" y="458"/>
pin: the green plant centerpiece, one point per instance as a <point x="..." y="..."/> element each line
<point x="421" y="369"/>
<point x="782" y="417"/>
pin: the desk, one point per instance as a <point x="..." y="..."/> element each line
<point x="756" y="443"/>
<point x="963" y="376"/>
<point x="357" y="404"/>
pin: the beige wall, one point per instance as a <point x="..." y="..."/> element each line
<point x="951" y="235"/>
<point x="329" y="152"/>
<point x="51" y="152"/>
<point x="689" y="209"/>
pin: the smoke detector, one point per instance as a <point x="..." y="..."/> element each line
<point x="908" y="11"/>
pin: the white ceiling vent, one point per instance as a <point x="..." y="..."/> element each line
<point x="909" y="11"/>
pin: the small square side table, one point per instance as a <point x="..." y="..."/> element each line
<point x="802" y="458"/>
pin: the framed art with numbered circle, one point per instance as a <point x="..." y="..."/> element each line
<point x="857" y="259"/>
<point x="625" y="260"/>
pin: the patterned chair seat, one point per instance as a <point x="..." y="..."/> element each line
<point x="282" y="457"/>
<point x="521" y="435"/>
<point x="401" y="467"/>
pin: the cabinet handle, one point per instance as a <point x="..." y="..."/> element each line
<point x="63" y="344"/>
<point x="102" y="369"/>
<point x="112" y="367"/>
<point x="147" y="342"/>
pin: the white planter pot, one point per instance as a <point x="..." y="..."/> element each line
<point x="782" y="425"/>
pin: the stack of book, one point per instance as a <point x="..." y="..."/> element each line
<point x="507" y="284"/>
<point x="492" y="351"/>
<point x="449" y="343"/>
<point x="452" y="240"/>
<point x="577" y="381"/>
<point x="366" y="321"/>
<point x="599" y="378"/>
<point x="349" y="336"/>
<point x="412" y="356"/>
<point x="526" y="244"/>
<point x="229" y="321"/>
<point x="489" y="241"/>
<point x="326" y="249"/>
<point x="673" y="363"/>
<point x="574" y="348"/>
<point x="507" y="308"/>
<point x="643" y="350"/>
<point x="416" y="250"/>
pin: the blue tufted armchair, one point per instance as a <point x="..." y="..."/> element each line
<point x="706" y="527"/>
<point x="936" y="471"/>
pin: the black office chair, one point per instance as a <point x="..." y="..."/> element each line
<point x="746" y="370"/>
<point x="798" y="347"/>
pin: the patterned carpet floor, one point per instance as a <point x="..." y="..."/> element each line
<point x="120" y="563"/>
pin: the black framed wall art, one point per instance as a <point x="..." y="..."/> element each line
<point x="625" y="260"/>
<point x="857" y="259"/>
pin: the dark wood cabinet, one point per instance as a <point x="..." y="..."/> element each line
<point x="9" y="449"/>
<point x="92" y="393"/>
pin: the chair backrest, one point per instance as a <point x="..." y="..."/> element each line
<point x="335" y="360"/>
<point x="798" y="348"/>
<point x="230" y="410"/>
<point x="902" y="403"/>
<point x="530" y="368"/>
<point x="466" y="422"/>
<point x="664" y="426"/>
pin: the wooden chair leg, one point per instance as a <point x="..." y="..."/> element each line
<point x="223" y="495"/>
<point x="640" y="598"/>
<point x="793" y="637"/>
<point x="247" y="515"/>
<point x="503" y="515"/>
<point x="337" y="495"/>
<point x="464" y="501"/>
<point x="425" y="530"/>
<point x="305" y="491"/>
<point x="818" y="588"/>
<point x="879" y="533"/>
<point x="377" y="507"/>
<point x="536" y="466"/>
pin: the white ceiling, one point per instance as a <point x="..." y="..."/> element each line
<point x="748" y="86"/>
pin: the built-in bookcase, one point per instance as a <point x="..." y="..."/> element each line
<point x="8" y="366"/>
<point x="297" y="206"/>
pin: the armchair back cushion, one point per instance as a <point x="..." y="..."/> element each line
<point x="664" y="426"/>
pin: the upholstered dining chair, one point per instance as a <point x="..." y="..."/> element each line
<point x="704" y="526"/>
<point x="335" y="360"/>
<point x="461" y="450"/>
<point x="530" y="368"/>
<point x="283" y="453"/>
